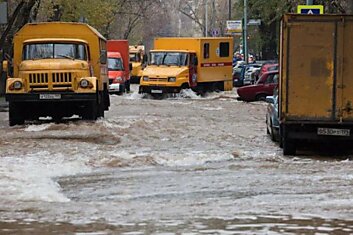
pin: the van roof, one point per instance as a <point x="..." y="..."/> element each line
<point x="54" y="40"/>
<point x="63" y="24"/>
<point x="183" y="51"/>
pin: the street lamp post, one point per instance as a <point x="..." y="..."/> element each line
<point x="229" y="9"/>
<point x="245" y="32"/>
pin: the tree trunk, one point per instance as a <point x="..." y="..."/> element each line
<point x="269" y="38"/>
<point x="19" y="18"/>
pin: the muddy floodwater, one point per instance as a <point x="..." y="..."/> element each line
<point x="180" y="165"/>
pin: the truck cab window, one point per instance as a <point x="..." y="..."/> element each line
<point x="168" y="58"/>
<point x="115" y="64"/>
<point x="35" y="51"/>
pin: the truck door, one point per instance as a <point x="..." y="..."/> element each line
<point x="310" y="73"/>
<point x="344" y="82"/>
<point x="193" y="70"/>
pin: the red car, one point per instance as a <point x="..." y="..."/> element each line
<point x="262" y="88"/>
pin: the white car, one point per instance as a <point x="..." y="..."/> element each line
<point x="248" y="78"/>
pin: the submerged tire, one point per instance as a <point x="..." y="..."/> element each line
<point x="260" y="97"/>
<point x="15" y="114"/>
<point x="289" y="147"/>
<point x="90" y="111"/>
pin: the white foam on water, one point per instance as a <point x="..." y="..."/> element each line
<point x="37" y="128"/>
<point x="212" y="108"/>
<point x="31" y="177"/>
<point x="188" y="93"/>
<point x="194" y="158"/>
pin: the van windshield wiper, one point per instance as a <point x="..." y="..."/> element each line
<point x="66" y="56"/>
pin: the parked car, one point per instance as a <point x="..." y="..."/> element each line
<point x="249" y="70"/>
<point x="267" y="67"/>
<point x="238" y="76"/>
<point x="262" y="88"/>
<point x="272" y="121"/>
<point x="242" y="74"/>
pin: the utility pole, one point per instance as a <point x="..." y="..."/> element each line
<point x="229" y="9"/>
<point x="206" y="18"/>
<point x="245" y="32"/>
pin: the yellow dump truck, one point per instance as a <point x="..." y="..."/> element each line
<point x="137" y="58"/>
<point x="59" y="70"/>
<point x="316" y="79"/>
<point x="203" y="64"/>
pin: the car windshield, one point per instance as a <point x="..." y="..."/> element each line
<point x="168" y="58"/>
<point x="115" y="64"/>
<point x="35" y="51"/>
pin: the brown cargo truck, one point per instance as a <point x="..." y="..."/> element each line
<point x="316" y="79"/>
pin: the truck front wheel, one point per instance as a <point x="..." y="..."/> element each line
<point x="90" y="111"/>
<point x="15" y="114"/>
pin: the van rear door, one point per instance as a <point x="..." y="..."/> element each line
<point x="309" y="74"/>
<point x="345" y="69"/>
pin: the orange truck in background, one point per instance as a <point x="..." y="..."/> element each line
<point x="118" y="66"/>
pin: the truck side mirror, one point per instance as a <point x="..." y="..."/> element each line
<point x="195" y="62"/>
<point x="130" y="66"/>
<point x="103" y="57"/>
<point x="5" y="66"/>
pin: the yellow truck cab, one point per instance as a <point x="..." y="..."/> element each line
<point x="59" y="70"/>
<point x="137" y="55"/>
<point x="203" y="64"/>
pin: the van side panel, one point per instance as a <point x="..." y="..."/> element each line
<point x="216" y="68"/>
<point x="211" y="69"/>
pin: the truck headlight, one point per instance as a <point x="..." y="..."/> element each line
<point x="118" y="79"/>
<point x="17" y="85"/>
<point x="84" y="83"/>
<point x="172" y="79"/>
<point x="145" y="78"/>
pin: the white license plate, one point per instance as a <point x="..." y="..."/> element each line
<point x="157" y="91"/>
<point x="333" y="131"/>
<point x="50" y="96"/>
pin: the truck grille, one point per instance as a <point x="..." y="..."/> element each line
<point x="158" y="79"/>
<point x="50" y="80"/>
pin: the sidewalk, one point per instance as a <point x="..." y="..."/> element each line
<point x="4" y="106"/>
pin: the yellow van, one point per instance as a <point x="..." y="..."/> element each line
<point x="136" y="53"/>
<point x="59" y="70"/>
<point x="203" y="64"/>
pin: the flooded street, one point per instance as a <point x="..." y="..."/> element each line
<point x="181" y="165"/>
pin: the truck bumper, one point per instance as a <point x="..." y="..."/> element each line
<point x="319" y="132"/>
<point x="158" y="89"/>
<point x="116" y="88"/>
<point x="45" y="97"/>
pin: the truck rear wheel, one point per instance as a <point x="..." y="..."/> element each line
<point x="15" y="114"/>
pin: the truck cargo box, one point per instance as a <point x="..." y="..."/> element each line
<point x="316" y="78"/>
